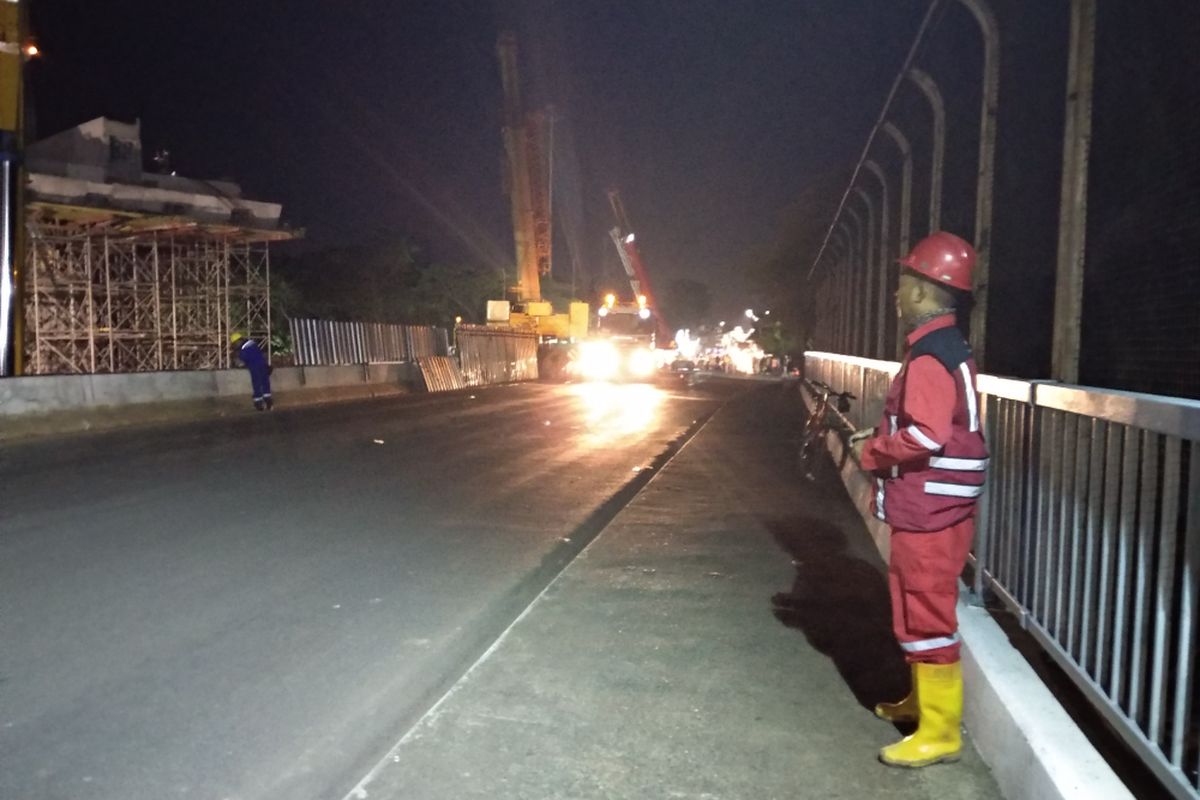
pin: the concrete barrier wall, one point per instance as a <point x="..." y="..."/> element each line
<point x="69" y="396"/>
<point x="45" y="394"/>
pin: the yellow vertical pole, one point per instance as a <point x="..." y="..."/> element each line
<point x="13" y="41"/>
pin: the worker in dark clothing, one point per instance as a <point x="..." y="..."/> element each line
<point x="250" y="354"/>
<point x="929" y="462"/>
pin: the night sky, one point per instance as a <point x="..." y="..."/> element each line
<point x="381" y="117"/>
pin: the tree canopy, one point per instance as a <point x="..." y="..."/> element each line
<point x="390" y="281"/>
<point x="780" y="277"/>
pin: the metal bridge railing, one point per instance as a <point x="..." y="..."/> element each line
<point x="1090" y="533"/>
<point x="319" y="342"/>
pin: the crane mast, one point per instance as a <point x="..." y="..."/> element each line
<point x="527" y="157"/>
<point x="528" y="140"/>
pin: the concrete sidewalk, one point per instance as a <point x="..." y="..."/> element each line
<point x="724" y="637"/>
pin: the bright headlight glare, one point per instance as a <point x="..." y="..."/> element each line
<point x="644" y="313"/>
<point x="598" y="360"/>
<point x="641" y="363"/>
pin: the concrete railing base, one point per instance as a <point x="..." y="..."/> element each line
<point x="64" y="404"/>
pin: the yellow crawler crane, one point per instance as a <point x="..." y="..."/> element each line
<point x="527" y="150"/>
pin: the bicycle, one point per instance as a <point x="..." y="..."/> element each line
<point x="828" y="415"/>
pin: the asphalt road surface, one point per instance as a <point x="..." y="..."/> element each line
<point x="258" y="607"/>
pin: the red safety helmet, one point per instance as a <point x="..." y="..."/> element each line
<point x="943" y="258"/>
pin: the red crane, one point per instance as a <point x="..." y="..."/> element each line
<point x="631" y="259"/>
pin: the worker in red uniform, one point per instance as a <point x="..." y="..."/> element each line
<point x="929" y="461"/>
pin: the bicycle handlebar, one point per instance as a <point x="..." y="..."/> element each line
<point x="838" y="408"/>
<point x="826" y="389"/>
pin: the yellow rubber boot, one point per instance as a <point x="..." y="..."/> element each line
<point x="938" y="737"/>
<point x="904" y="711"/>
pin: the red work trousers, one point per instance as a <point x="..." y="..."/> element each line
<point x="923" y="581"/>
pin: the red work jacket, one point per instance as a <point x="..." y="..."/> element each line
<point x="928" y="454"/>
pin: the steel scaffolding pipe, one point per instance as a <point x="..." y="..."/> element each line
<point x="145" y="302"/>
<point x="10" y="172"/>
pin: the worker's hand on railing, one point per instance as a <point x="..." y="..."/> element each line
<point x="858" y="440"/>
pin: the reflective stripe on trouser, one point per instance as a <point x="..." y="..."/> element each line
<point x="923" y="575"/>
<point x="260" y="381"/>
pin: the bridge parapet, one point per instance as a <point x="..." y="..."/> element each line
<point x="1090" y="533"/>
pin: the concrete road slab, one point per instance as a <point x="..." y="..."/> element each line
<point x="724" y="637"/>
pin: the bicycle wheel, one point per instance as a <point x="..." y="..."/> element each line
<point x="809" y="448"/>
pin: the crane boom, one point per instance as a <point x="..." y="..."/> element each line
<point x="623" y="237"/>
<point x="626" y="262"/>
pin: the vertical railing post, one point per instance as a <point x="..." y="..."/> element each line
<point x="937" y="158"/>
<point x="983" y="515"/>
<point x="846" y="345"/>
<point x="835" y="262"/>
<point x="881" y="316"/>
<point x="841" y="268"/>
<point x="1072" y="216"/>
<point x="987" y="154"/>
<point x="905" y="224"/>
<point x="861" y="304"/>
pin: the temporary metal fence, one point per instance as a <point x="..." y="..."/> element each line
<point x="440" y="373"/>
<point x="490" y="355"/>
<point x="1090" y="533"/>
<point x="318" y="342"/>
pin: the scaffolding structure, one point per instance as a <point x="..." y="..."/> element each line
<point x="119" y="291"/>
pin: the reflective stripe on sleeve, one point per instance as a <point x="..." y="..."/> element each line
<point x="969" y="388"/>
<point x="960" y="464"/>
<point x="926" y="442"/>
<point x="952" y="489"/>
<point x="895" y="425"/>
<point x="930" y="644"/>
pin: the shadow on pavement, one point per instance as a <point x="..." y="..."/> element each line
<point x="841" y="604"/>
